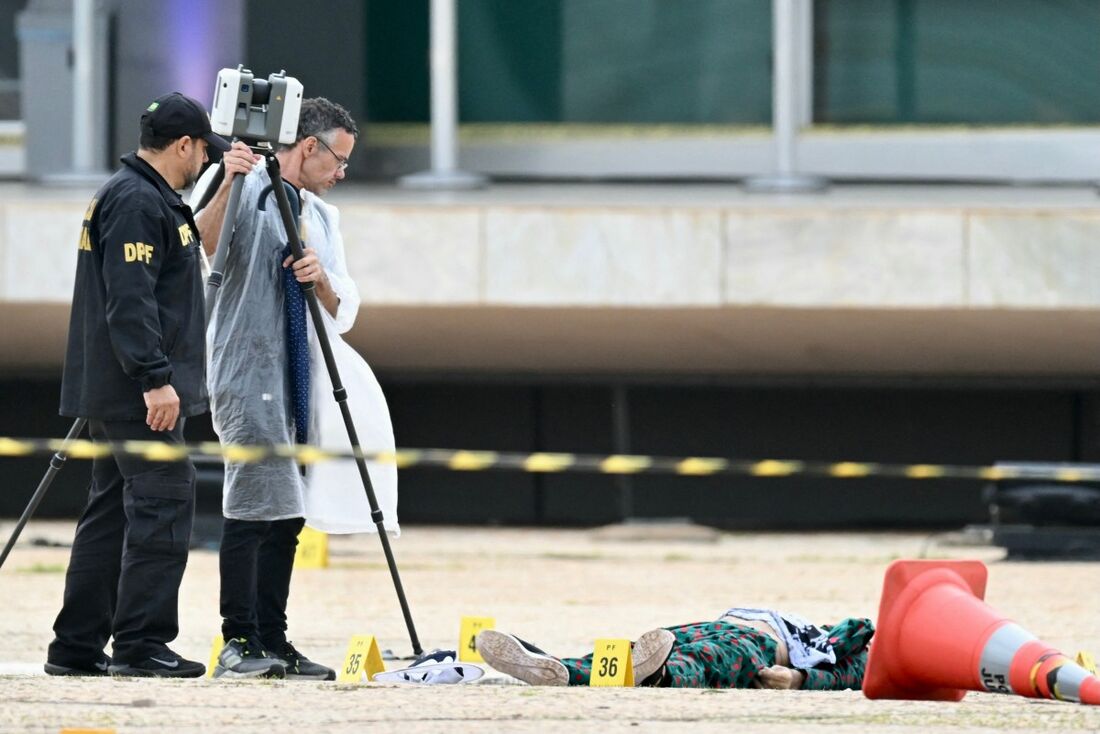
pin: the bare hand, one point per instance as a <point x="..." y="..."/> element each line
<point x="239" y="159"/>
<point x="164" y="408"/>
<point x="780" y="677"/>
<point x="308" y="269"/>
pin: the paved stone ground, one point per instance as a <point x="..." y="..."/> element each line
<point x="559" y="588"/>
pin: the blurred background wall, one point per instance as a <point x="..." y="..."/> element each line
<point x="620" y="286"/>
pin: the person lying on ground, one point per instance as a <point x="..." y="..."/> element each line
<point x="744" y="648"/>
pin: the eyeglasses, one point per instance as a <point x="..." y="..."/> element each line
<point x="341" y="160"/>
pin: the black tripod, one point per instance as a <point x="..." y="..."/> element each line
<point x="57" y="461"/>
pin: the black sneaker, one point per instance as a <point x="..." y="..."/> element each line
<point x="97" y="668"/>
<point x="247" y="658"/>
<point x="299" y="667"/>
<point x="164" y="664"/>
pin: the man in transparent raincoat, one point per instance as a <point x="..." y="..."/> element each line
<point x="268" y="385"/>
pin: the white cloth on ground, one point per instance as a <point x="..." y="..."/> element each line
<point x="439" y="667"/>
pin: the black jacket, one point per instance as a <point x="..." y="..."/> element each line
<point x="137" y="319"/>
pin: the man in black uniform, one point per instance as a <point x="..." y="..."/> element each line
<point x="135" y="368"/>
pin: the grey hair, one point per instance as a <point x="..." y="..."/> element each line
<point x="319" y="118"/>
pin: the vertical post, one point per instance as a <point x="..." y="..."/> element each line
<point x="84" y="127"/>
<point x="784" y="88"/>
<point x="792" y="75"/>
<point x="89" y="94"/>
<point x="804" y="64"/>
<point x="444" y="173"/>
<point x="444" y="72"/>
<point x="86" y="167"/>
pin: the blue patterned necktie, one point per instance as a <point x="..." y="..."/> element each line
<point x="297" y="351"/>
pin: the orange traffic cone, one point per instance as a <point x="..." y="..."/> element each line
<point x="937" y="639"/>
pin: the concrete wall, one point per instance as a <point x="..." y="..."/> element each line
<point x="672" y="279"/>
<point x="667" y="256"/>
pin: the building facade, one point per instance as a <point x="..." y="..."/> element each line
<point x="616" y="289"/>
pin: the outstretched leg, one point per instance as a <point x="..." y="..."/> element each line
<point x="704" y="655"/>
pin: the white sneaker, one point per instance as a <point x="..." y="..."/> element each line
<point x="434" y="668"/>
<point x="519" y="659"/>
<point x="650" y="653"/>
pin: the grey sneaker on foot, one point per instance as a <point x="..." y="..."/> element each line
<point x="511" y="655"/>
<point x="244" y="658"/>
<point x="650" y="653"/>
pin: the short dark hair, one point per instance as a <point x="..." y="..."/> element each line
<point x="151" y="141"/>
<point x="318" y="116"/>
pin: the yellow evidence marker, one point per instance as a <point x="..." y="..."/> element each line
<point x="612" y="664"/>
<point x="215" y="650"/>
<point x="312" y="549"/>
<point x="362" y="658"/>
<point x="467" y="638"/>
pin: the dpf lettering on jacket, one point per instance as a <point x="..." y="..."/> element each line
<point x="186" y="235"/>
<point x="138" y="252"/>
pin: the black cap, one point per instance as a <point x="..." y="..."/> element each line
<point x="175" y="115"/>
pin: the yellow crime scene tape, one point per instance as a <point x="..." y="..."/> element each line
<point x="542" y="462"/>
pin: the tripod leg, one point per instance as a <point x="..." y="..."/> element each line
<point x="217" y="268"/>
<point x="341" y="395"/>
<point x="57" y="461"/>
<point x="212" y="189"/>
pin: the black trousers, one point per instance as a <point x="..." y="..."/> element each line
<point x="128" y="555"/>
<point x="256" y="560"/>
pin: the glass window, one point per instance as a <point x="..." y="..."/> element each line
<point x="580" y="61"/>
<point x="9" y="60"/>
<point x="980" y="62"/>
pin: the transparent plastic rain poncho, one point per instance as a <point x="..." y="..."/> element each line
<point x="248" y="377"/>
